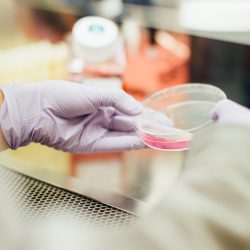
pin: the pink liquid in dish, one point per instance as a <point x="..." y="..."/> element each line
<point x="164" y="144"/>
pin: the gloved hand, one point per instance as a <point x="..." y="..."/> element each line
<point x="69" y="117"/>
<point x="227" y="111"/>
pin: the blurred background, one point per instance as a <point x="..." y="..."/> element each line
<point x="162" y="43"/>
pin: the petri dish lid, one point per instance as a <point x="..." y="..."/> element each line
<point x="156" y="130"/>
<point x="176" y="112"/>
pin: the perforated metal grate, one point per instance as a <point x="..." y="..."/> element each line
<point x="35" y="200"/>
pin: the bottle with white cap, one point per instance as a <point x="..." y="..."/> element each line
<point x="98" y="53"/>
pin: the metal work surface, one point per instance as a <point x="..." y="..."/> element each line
<point x="35" y="200"/>
<point x="133" y="183"/>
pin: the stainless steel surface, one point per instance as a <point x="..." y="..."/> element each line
<point x="140" y="178"/>
<point x="34" y="201"/>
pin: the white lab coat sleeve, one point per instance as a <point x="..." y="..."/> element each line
<point x="208" y="207"/>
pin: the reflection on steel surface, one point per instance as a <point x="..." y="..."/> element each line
<point x="33" y="201"/>
<point x="146" y="178"/>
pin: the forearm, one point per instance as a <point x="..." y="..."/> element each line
<point x="3" y="143"/>
<point x="209" y="206"/>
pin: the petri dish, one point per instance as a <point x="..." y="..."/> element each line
<point x="173" y="115"/>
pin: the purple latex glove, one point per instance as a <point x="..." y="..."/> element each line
<point x="227" y="111"/>
<point x="69" y="117"/>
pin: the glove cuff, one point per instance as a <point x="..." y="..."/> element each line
<point x="10" y="119"/>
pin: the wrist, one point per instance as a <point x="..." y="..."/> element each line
<point x="3" y="143"/>
<point x="1" y="98"/>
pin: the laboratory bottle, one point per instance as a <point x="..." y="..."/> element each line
<point x="98" y="54"/>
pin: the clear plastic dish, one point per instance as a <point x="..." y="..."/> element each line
<point x="174" y="114"/>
